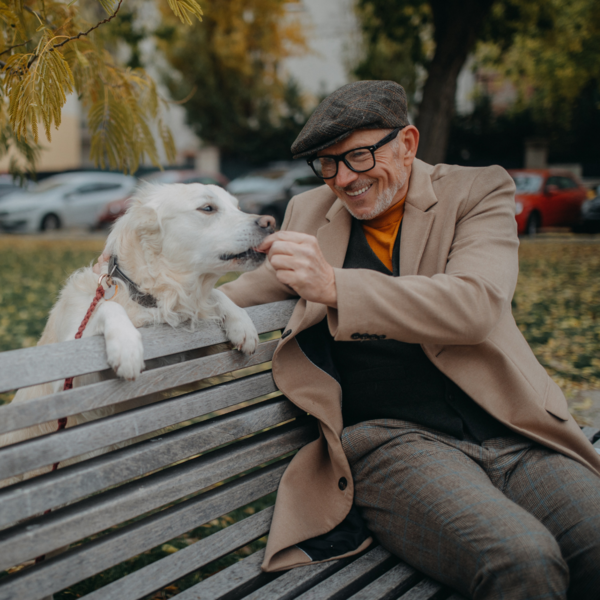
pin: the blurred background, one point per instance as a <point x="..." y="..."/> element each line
<point x="508" y="82"/>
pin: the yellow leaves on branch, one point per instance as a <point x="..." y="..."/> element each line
<point x="38" y="91"/>
<point x="185" y="9"/>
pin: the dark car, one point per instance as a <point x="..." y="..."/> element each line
<point x="547" y="198"/>
<point x="268" y="191"/>
<point x="590" y="215"/>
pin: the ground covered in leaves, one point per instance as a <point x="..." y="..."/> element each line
<point x="556" y="306"/>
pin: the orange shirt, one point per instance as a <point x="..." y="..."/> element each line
<point x="381" y="232"/>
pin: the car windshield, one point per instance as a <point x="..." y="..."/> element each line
<point x="527" y="183"/>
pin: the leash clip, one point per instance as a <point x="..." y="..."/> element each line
<point x="112" y="287"/>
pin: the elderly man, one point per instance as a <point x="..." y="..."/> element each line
<point x="438" y="428"/>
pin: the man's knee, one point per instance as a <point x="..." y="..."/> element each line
<point x="528" y="566"/>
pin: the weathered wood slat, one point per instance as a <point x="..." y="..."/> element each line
<point x="590" y="432"/>
<point x="62" y="445"/>
<point x="69" y="524"/>
<point x="106" y="393"/>
<point x="456" y="596"/>
<point x="238" y="580"/>
<point x="30" y="366"/>
<point x="353" y="577"/>
<point x="295" y="582"/>
<point x="390" y="585"/>
<point x="425" y="590"/>
<point x="79" y="563"/>
<point x="64" y="486"/>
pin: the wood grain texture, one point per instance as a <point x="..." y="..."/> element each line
<point x="82" y="562"/>
<point x="30" y="366"/>
<point x="352" y="577"/>
<point x="236" y="581"/>
<point x="68" y="443"/>
<point x="92" y="515"/>
<point x="425" y="590"/>
<point x="295" y="582"/>
<point x="390" y="585"/>
<point x="34" y="496"/>
<point x="106" y="393"/>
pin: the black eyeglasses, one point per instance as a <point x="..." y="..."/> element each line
<point x="358" y="160"/>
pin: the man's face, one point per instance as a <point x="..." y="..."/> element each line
<point x="367" y="195"/>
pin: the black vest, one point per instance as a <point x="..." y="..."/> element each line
<point x="388" y="379"/>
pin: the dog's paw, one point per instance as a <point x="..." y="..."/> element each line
<point x="241" y="332"/>
<point x="125" y="353"/>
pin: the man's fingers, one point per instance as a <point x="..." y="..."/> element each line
<point x="285" y="236"/>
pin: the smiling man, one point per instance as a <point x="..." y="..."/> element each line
<point x="440" y="434"/>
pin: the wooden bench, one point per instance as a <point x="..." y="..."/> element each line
<point x="230" y="435"/>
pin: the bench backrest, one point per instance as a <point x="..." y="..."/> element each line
<point x="224" y="418"/>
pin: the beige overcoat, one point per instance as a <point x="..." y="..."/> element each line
<point x="458" y="271"/>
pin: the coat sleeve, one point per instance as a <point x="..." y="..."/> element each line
<point x="261" y="286"/>
<point x="463" y="304"/>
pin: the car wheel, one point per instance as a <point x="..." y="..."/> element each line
<point x="50" y="223"/>
<point x="273" y="212"/>
<point x="533" y="224"/>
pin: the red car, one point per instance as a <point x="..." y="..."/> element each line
<point x="547" y="198"/>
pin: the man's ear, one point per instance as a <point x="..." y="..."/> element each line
<point x="410" y="139"/>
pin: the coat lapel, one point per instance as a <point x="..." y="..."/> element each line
<point x="417" y="222"/>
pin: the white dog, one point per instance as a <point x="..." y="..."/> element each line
<point x="168" y="251"/>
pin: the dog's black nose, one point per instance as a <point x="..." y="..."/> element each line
<point x="266" y="222"/>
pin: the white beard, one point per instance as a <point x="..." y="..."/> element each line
<point x="385" y="199"/>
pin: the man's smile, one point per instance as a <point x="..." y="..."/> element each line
<point x="360" y="191"/>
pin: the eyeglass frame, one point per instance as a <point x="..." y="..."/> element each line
<point x="342" y="157"/>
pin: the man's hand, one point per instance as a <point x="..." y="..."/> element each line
<point x="299" y="263"/>
<point x="103" y="258"/>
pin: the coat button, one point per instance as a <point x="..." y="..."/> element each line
<point x="356" y="336"/>
<point x="343" y="483"/>
<point x="284" y="335"/>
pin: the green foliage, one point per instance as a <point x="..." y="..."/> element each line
<point x="229" y="71"/>
<point x="50" y="49"/>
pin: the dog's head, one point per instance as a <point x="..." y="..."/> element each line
<point x="193" y="226"/>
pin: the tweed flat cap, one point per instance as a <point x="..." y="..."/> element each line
<point x="358" y="105"/>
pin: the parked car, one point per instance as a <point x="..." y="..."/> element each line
<point x="546" y="198"/>
<point x="9" y="186"/>
<point x="268" y="191"/>
<point x="113" y="210"/>
<point x="590" y="215"/>
<point x="66" y="200"/>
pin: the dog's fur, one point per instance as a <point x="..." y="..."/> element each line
<point x="174" y="242"/>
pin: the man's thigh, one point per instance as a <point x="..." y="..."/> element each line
<point x="434" y="507"/>
<point x="565" y="497"/>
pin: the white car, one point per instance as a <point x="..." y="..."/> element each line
<point x="67" y="200"/>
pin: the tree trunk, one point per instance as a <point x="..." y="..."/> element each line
<point x="457" y="24"/>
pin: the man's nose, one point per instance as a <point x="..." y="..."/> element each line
<point x="345" y="176"/>
<point x="266" y="222"/>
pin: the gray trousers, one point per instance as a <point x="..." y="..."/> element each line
<point x="508" y="519"/>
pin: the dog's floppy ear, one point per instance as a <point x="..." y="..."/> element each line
<point x="147" y="227"/>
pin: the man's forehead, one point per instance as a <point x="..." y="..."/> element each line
<point x="359" y="137"/>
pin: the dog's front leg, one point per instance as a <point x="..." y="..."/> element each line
<point x="238" y="326"/>
<point x="124" y="348"/>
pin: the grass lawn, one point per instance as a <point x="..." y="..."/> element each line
<point x="556" y="306"/>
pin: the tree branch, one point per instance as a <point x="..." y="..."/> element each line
<point x="15" y="46"/>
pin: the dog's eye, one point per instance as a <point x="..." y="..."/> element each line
<point x="208" y="208"/>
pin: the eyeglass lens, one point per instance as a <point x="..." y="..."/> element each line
<point x="358" y="160"/>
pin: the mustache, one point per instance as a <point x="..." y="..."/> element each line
<point x="355" y="185"/>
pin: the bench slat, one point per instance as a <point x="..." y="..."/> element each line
<point x="106" y="393"/>
<point x="237" y="580"/>
<point x="295" y="582"/>
<point x="71" y="442"/>
<point x="80" y="563"/>
<point x="69" y="524"/>
<point x="425" y="590"/>
<point x="82" y="479"/>
<point x="353" y="577"/>
<point x="390" y="585"/>
<point x="30" y="366"/>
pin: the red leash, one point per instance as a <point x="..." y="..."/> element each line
<point x="62" y="422"/>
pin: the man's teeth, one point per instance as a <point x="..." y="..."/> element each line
<point x="361" y="191"/>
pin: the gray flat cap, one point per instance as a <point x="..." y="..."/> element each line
<point x="358" y="105"/>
